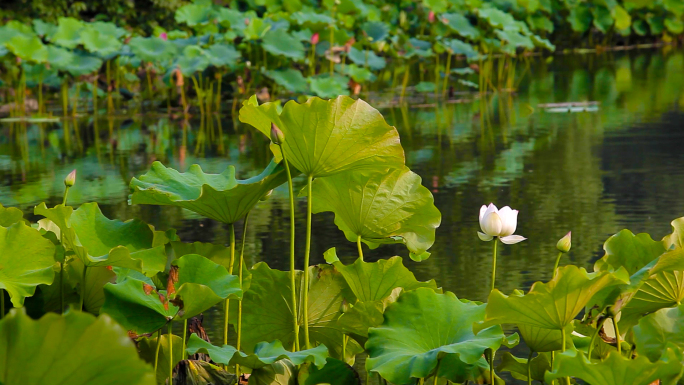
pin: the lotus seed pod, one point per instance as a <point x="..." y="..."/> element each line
<point x="565" y="243"/>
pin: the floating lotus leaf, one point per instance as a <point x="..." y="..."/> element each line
<point x="29" y="48"/>
<point x="202" y="284"/>
<point x="148" y="352"/>
<point x="551" y="305"/>
<point x="223" y="55"/>
<point x="99" y="42"/>
<point x="461" y="25"/>
<point x="99" y="241"/>
<point x="335" y="372"/>
<point x="217" y="196"/>
<point x="267" y="309"/>
<point x="380" y="206"/>
<point x="152" y="49"/>
<point x="281" y="43"/>
<point x="68" y="33"/>
<point x="10" y="216"/>
<point x="26" y="260"/>
<point x="457" y="47"/>
<point x="617" y="370"/>
<point x="328" y="87"/>
<point x="291" y="79"/>
<point x="194" y="14"/>
<point x="375" y="30"/>
<point x="366" y="58"/>
<point x="518" y="366"/>
<point x="423" y="327"/>
<point x="655" y="332"/>
<point x="323" y="138"/>
<point x="264" y="354"/>
<point x="75" y="348"/>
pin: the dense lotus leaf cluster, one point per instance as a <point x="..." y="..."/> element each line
<point x="104" y="291"/>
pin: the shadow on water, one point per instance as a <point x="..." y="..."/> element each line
<point x="593" y="172"/>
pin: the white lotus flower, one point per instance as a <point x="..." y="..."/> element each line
<point x="499" y="223"/>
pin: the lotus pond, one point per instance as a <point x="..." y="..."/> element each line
<point x="375" y="193"/>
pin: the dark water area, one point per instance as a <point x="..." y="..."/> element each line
<point x="591" y="172"/>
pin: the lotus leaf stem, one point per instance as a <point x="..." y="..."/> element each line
<point x="599" y="325"/>
<point x="491" y="366"/>
<point x="307" y="252"/>
<point x="555" y="267"/>
<point x="496" y="241"/>
<point x="295" y="315"/>
<point x="156" y="353"/>
<point x="240" y="266"/>
<point x="436" y="373"/>
<point x="617" y="335"/>
<point x="231" y="232"/>
<point x="529" y="368"/>
<point x="2" y="303"/>
<point x="185" y="330"/>
<point x="95" y="95"/>
<point x="358" y="245"/>
<point x="170" y="334"/>
<point x="446" y="76"/>
<point x="83" y="288"/>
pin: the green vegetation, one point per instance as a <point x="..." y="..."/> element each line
<point x="616" y="325"/>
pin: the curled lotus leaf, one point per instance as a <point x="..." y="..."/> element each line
<point x="656" y="331"/>
<point x="676" y="239"/>
<point x="68" y="32"/>
<point x="26" y="260"/>
<point x="461" y="25"/>
<point x="424" y="327"/>
<point x="326" y="137"/>
<point x="152" y="49"/>
<point x="99" y="42"/>
<point x="551" y="305"/>
<point x="10" y="216"/>
<point x="218" y="196"/>
<point x="265" y="353"/>
<point x="616" y="369"/>
<point x="380" y="206"/>
<point x="75" y="348"/>
<point x="99" y="241"/>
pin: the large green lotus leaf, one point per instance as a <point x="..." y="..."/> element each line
<point x="676" y="239"/>
<point x="147" y="346"/>
<point x="630" y="251"/>
<point x="26" y="260"/>
<point x="10" y="216"/>
<point x="264" y="354"/>
<point x="96" y="279"/>
<point x="656" y="331"/>
<point x="375" y="30"/>
<point x="137" y="308"/>
<point x="461" y="25"/>
<point x="60" y="58"/>
<point x="29" y="48"/>
<point x="326" y="137"/>
<point x="99" y="42"/>
<point x="437" y="6"/>
<point x="622" y="18"/>
<point x="497" y="18"/>
<point x="99" y="241"/>
<point x="267" y="309"/>
<point x="152" y="49"/>
<point x="83" y="64"/>
<point x="75" y="349"/>
<point x="662" y="290"/>
<point x="291" y="79"/>
<point x="366" y="58"/>
<point x="43" y="29"/>
<point x="617" y="370"/>
<point x="68" y="33"/>
<point x="281" y="372"/>
<point x="216" y="253"/>
<point x="108" y="28"/>
<point x="329" y="87"/>
<point x="380" y="206"/>
<point x="515" y="39"/>
<point x="281" y="43"/>
<point x="357" y="73"/>
<point x="217" y="196"/>
<point x="191" y="65"/>
<point x="602" y="18"/>
<point x="194" y="14"/>
<point x="457" y="47"/>
<point x="674" y="25"/>
<point x="518" y="366"/>
<point x="202" y="284"/>
<point x="312" y="19"/>
<point x="423" y="327"/>
<point x="223" y="55"/>
<point x="335" y="372"/>
<point x="580" y="18"/>
<point x="551" y="305"/>
<point x="541" y="339"/>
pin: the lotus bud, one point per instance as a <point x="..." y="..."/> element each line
<point x="314" y="38"/>
<point x="164" y="36"/>
<point x="267" y="195"/>
<point x="277" y="136"/>
<point x="70" y="179"/>
<point x="246" y="21"/>
<point x="431" y="16"/>
<point x="564" y="243"/>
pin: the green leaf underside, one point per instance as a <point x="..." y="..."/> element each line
<point x="380" y="206"/>
<point x="423" y="327"/>
<point x="148" y="349"/>
<point x="264" y="354"/>
<point x="99" y="241"/>
<point x="26" y="260"/>
<point x="217" y="196"/>
<point x="323" y="138"/>
<point x="616" y="370"/>
<point x="335" y="372"/>
<point x="656" y="331"/>
<point x="74" y="349"/>
<point x="518" y="366"/>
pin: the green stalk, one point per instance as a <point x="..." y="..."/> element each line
<point x="617" y="335"/>
<point x="61" y="264"/>
<point x="95" y="96"/>
<point x="83" y="289"/>
<point x="446" y="77"/>
<point x="436" y="372"/>
<point x="555" y="267"/>
<point x="65" y="100"/>
<point x="307" y="251"/>
<point x="218" y="94"/>
<point x="170" y="334"/>
<point x="529" y="368"/>
<point x="358" y="245"/>
<point x="185" y="329"/>
<point x="239" y="323"/>
<point x="292" y="249"/>
<point x="599" y="325"/>
<point x="404" y="83"/>
<point x="110" y="102"/>
<point x="2" y="303"/>
<point x="231" y="232"/>
<point x="156" y="353"/>
<point x="198" y="90"/>
<point x="567" y="379"/>
<point x="494" y="265"/>
<point x="40" y="95"/>
<point x="149" y="83"/>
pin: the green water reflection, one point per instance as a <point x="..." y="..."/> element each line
<point x="591" y="172"/>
